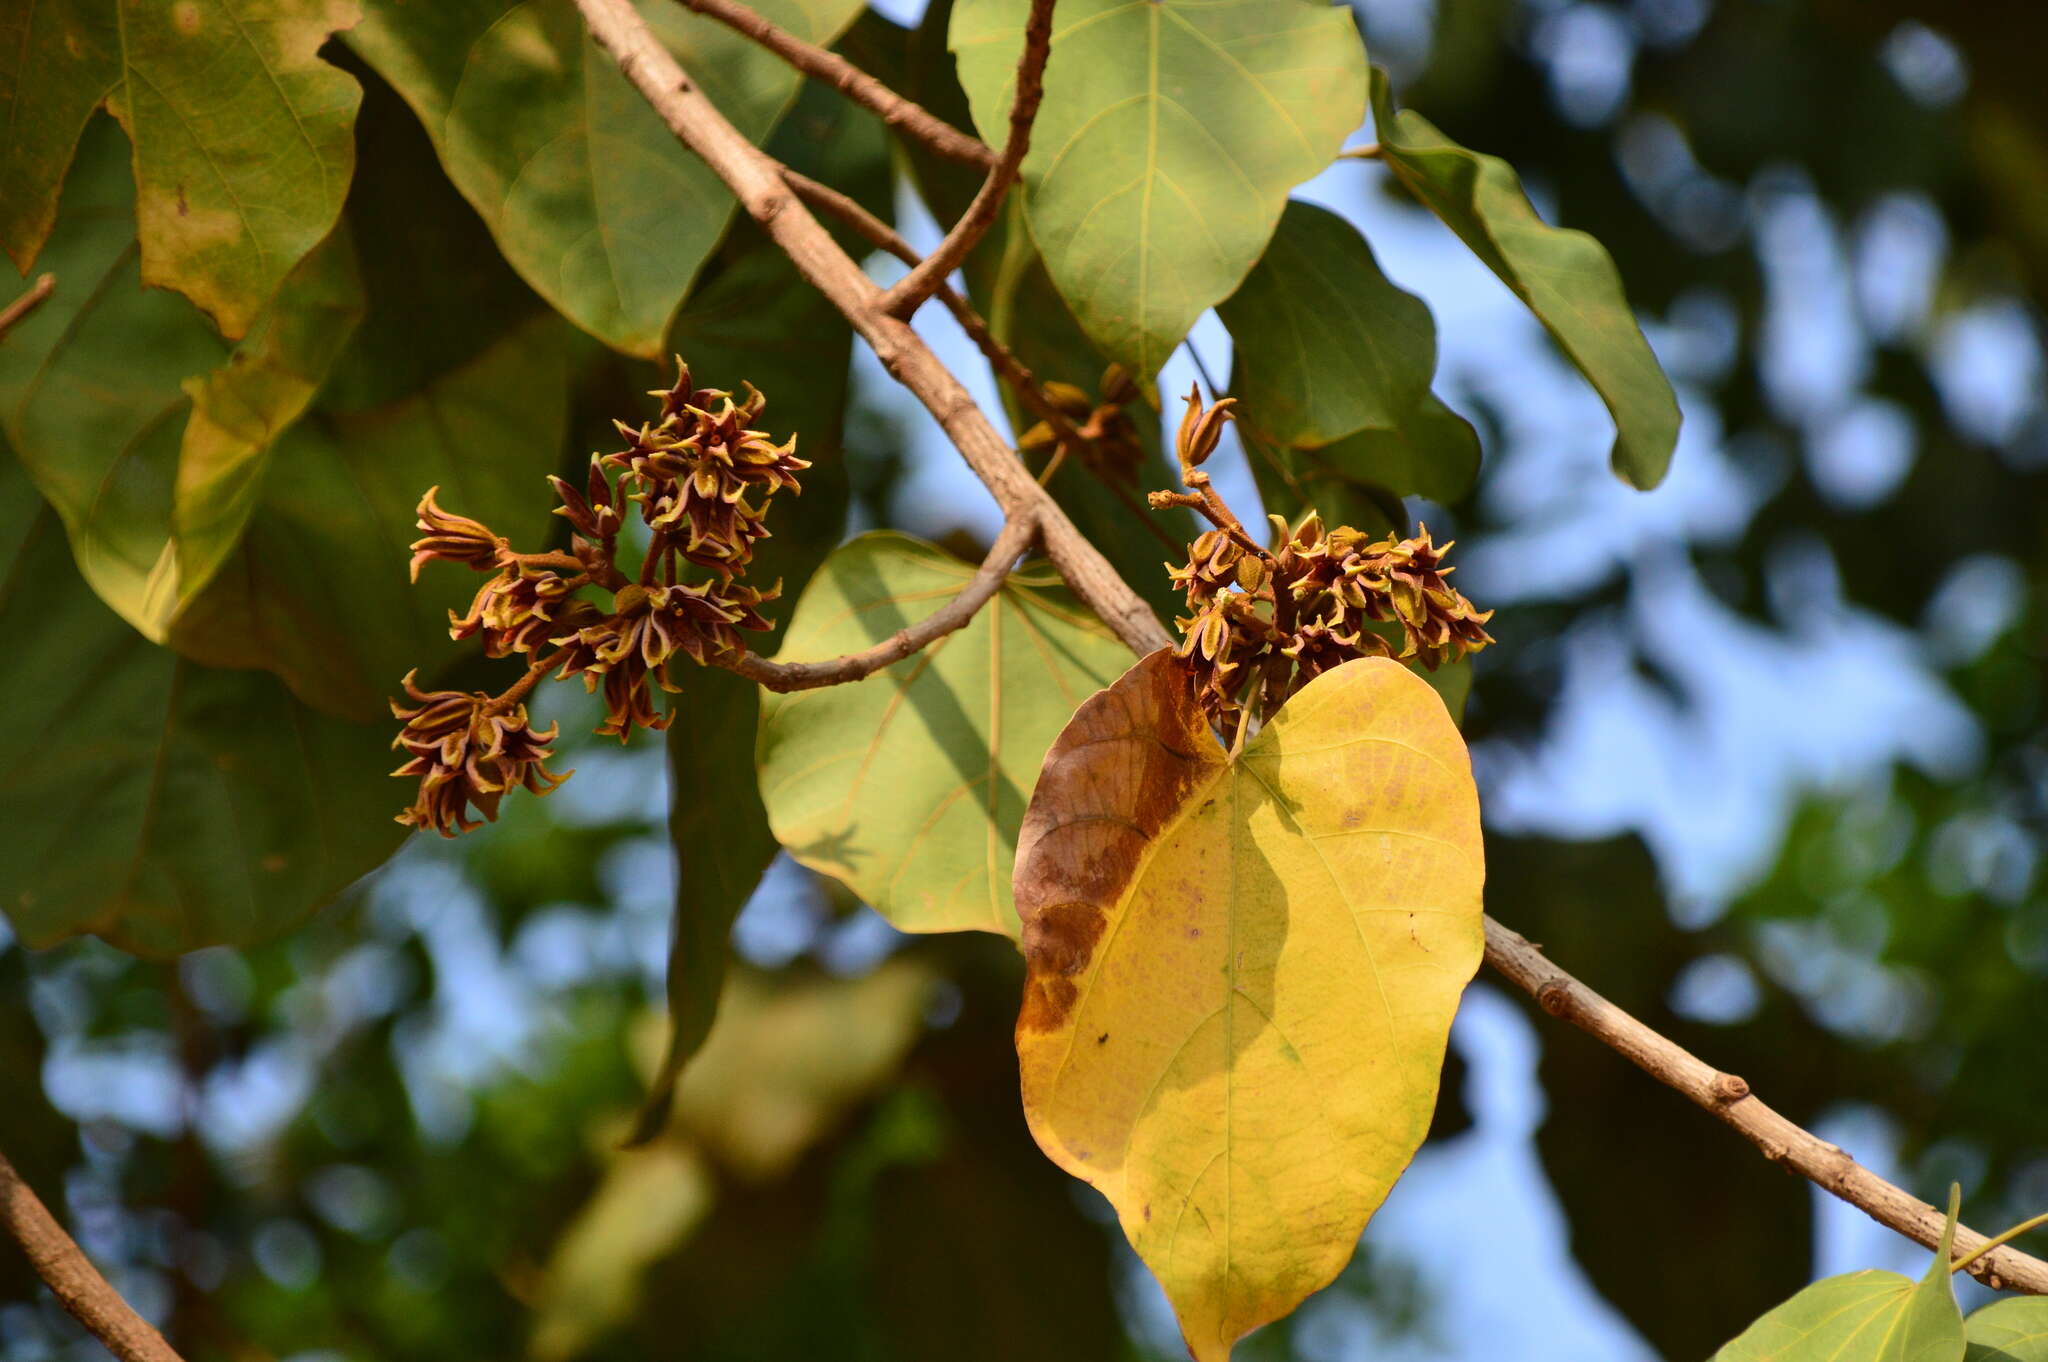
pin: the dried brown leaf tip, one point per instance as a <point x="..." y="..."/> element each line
<point x="702" y="474"/>
<point x="1262" y="622"/>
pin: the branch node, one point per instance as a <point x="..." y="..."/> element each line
<point x="1730" y="1087"/>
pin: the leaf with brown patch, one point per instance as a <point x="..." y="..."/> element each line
<point x="1242" y="973"/>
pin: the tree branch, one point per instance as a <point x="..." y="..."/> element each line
<point x="910" y="119"/>
<point x="926" y="276"/>
<point x="73" y="1279"/>
<point x="1001" y="357"/>
<point x="988" y="579"/>
<point x="1729" y="1098"/>
<point x="757" y="180"/>
<point x="28" y="302"/>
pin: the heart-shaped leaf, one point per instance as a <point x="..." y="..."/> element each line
<point x="1170" y="133"/>
<point x="2014" y="1330"/>
<point x="1565" y="277"/>
<point x="1242" y="973"/>
<point x="587" y="191"/>
<point x="909" y="786"/>
<point x="243" y="136"/>
<point x="1333" y="364"/>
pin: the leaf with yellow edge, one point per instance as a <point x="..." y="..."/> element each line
<point x="1242" y="973"/>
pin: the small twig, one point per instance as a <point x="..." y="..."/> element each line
<point x="988" y="579"/>
<point x="906" y="117"/>
<point x="1729" y="1098"/>
<point x="521" y="688"/>
<point x="28" y="302"/>
<point x="1001" y="358"/>
<point x="73" y="1279"/>
<point x="925" y="277"/>
<point x="1208" y="379"/>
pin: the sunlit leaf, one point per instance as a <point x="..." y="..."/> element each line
<point x="2012" y="1330"/>
<point x="586" y="190"/>
<point x="1333" y="364"/>
<point x="909" y="786"/>
<point x="243" y="144"/>
<point x="1168" y="139"/>
<point x="1565" y="277"/>
<point x="158" y="803"/>
<point x="1869" y="1316"/>
<point x="239" y="410"/>
<point x="1243" y="973"/>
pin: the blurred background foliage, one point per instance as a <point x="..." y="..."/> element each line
<point x="1764" y="754"/>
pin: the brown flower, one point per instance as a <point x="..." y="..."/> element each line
<point x="597" y="512"/>
<point x="455" y="539"/>
<point x="467" y="750"/>
<point x="513" y="610"/>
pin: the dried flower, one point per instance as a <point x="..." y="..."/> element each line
<point x="703" y="476"/>
<point x="467" y="750"/>
<point x="513" y="610"/>
<point x="454" y="539"/>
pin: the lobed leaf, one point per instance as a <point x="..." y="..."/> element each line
<point x="161" y="804"/>
<point x="909" y="786"/>
<point x="1170" y="133"/>
<point x="2011" y="1330"/>
<point x="1242" y="973"/>
<point x="588" y="193"/>
<point x="243" y="137"/>
<point x="1565" y="277"/>
<point x="1333" y="364"/>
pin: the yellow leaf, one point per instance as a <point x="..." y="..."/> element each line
<point x="1242" y="974"/>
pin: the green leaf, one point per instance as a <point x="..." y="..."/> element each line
<point x="243" y="143"/>
<point x="1869" y="1316"/>
<point x="1170" y="134"/>
<point x="1565" y="277"/>
<point x="908" y="787"/>
<point x="588" y="193"/>
<point x="147" y="432"/>
<point x="157" y="803"/>
<point x="2012" y="1330"/>
<point x="1242" y="973"/>
<point x="318" y="589"/>
<point x="240" y="409"/>
<point x="1332" y="372"/>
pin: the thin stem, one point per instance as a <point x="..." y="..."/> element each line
<point x="523" y="687"/>
<point x="1369" y="152"/>
<point x="988" y="579"/>
<point x="71" y="1277"/>
<point x="1053" y="465"/>
<point x="927" y="275"/>
<point x="1201" y="368"/>
<point x="1729" y="1098"/>
<point x="910" y="119"/>
<point x="1001" y="358"/>
<point x="28" y="302"/>
<point x="1996" y="1240"/>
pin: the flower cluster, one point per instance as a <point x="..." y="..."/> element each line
<point x="1110" y="446"/>
<point x="467" y="749"/>
<point x="702" y="476"/>
<point x="1282" y="616"/>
